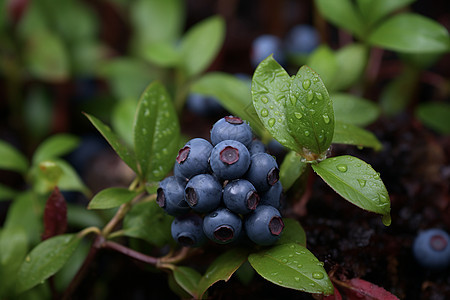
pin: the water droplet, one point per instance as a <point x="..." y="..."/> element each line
<point x="312" y="111"/>
<point x="310" y="95"/>
<point x="297" y="278"/>
<point x="342" y="168"/>
<point x="312" y="284"/>
<point x="292" y="247"/>
<point x="320" y="263"/>
<point x="299" y="266"/>
<point x="271" y="107"/>
<point x="293" y="99"/>
<point x="291" y="255"/>
<point x="326" y="119"/>
<point x="315" y="78"/>
<point x="307" y="133"/>
<point x="264" y="99"/>
<point x="317" y="275"/>
<point x="319" y="96"/>
<point x="280" y="281"/>
<point x="271" y="122"/>
<point x="28" y="259"/>
<point x="144" y="131"/>
<point x="298" y="115"/>
<point x="383" y="198"/>
<point x="386" y="219"/>
<point x="284" y="260"/>
<point x="306" y="84"/>
<point x="264" y="112"/>
<point x="376" y="176"/>
<point x="362" y="182"/>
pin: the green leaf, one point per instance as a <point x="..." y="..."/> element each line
<point x="373" y="11"/>
<point x="292" y="266"/>
<point x="45" y="260"/>
<point x="122" y="119"/>
<point x="37" y="112"/>
<point x="291" y="169"/>
<point x="70" y="180"/>
<point x="55" y="146"/>
<point x="222" y="268"/>
<point x="79" y="217"/>
<point x="111" y="197"/>
<point x="356" y="181"/>
<point x="162" y="54"/>
<point x="156" y="133"/>
<point x="7" y="193"/>
<point x="147" y="221"/>
<point x="354" y="110"/>
<point x="188" y="279"/>
<point x="353" y="135"/>
<point x="12" y="159"/>
<point x="323" y="62"/>
<point x="342" y="13"/>
<point x="293" y="232"/>
<point x="121" y="149"/>
<point x="176" y="288"/>
<point x="411" y="33"/>
<point x="201" y="44"/>
<point x="233" y="93"/>
<point x="435" y="115"/>
<point x="351" y="63"/>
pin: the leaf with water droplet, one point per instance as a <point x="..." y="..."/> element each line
<point x="156" y="128"/>
<point x="294" y="267"/>
<point x="353" y="135"/>
<point x="359" y="184"/>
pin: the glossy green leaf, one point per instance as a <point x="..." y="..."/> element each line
<point x="163" y="54"/>
<point x="222" y="268"/>
<point x="351" y="62"/>
<point x="122" y="119"/>
<point x="293" y="232"/>
<point x="292" y="266"/>
<point x="45" y="260"/>
<point x="354" y="110"/>
<point x="147" y="221"/>
<point x="411" y="33"/>
<point x="55" y="146"/>
<point x="201" y="44"/>
<point x="156" y="133"/>
<point x="323" y="62"/>
<point x="233" y="93"/>
<point x="356" y="181"/>
<point x="176" y="288"/>
<point x="342" y="13"/>
<point x="12" y="159"/>
<point x="188" y="279"/>
<point x="245" y="273"/>
<point x="373" y="11"/>
<point x="111" y="197"/>
<point x="435" y="115"/>
<point x="353" y="135"/>
<point x="121" y="149"/>
<point x="310" y="115"/>
<point x="7" y="193"/>
<point x="291" y="169"/>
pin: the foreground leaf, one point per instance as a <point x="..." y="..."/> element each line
<point x="45" y="260"/>
<point x="111" y="197"/>
<point x="12" y="159"/>
<point x="435" y="115"/>
<point x="222" y="268"/>
<point x="292" y="266"/>
<point x="354" y="135"/>
<point x="357" y="182"/>
<point x="188" y="279"/>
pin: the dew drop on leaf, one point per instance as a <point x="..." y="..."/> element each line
<point x="293" y="99"/>
<point x="284" y="260"/>
<point x="264" y="112"/>
<point x="376" y="176"/>
<point x="310" y="95"/>
<point x="319" y="96"/>
<point x="342" y="168"/>
<point x="264" y="99"/>
<point x="298" y="115"/>
<point x="317" y="275"/>
<point x="307" y="133"/>
<point x="297" y="278"/>
<point x="326" y="119"/>
<point x="271" y="122"/>
<point x="362" y="182"/>
<point x="299" y="266"/>
<point x="306" y="84"/>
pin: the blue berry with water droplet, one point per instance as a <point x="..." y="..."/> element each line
<point x="170" y="196"/>
<point x="203" y="193"/>
<point x="187" y="230"/>
<point x="222" y="226"/>
<point x="264" y="225"/>
<point x="431" y="248"/>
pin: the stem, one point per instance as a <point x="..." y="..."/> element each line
<point x="130" y="252"/>
<point x="124" y="208"/>
<point x="300" y="207"/>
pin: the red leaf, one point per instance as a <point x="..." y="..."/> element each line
<point x="359" y="289"/>
<point x="55" y="215"/>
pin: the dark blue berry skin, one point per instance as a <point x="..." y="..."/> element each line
<point x="203" y="193"/>
<point x="240" y="196"/>
<point x="192" y="159"/>
<point x="177" y="173"/>
<point x="256" y="146"/>
<point x="431" y="249"/>
<point x="222" y="226"/>
<point x="302" y="39"/>
<point x="203" y="105"/>
<point x="263" y="172"/>
<point x="265" y="45"/>
<point x="272" y="197"/>
<point x="170" y="196"/>
<point x="231" y="128"/>
<point x="264" y="226"/>
<point x="187" y="230"/>
<point x="229" y="160"/>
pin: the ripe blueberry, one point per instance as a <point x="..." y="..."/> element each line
<point x="256" y="146"/>
<point x="431" y="249"/>
<point x="193" y="157"/>
<point x="222" y="226"/>
<point x="170" y="196"/>
<point x="263" y="171"/>
<point x="203" y="193"/>
<point x="229" y="160"/>
<point x="231" y="128"/>
<point x="302" y="39"/>
<point x="272" y="197"/>
<point x="240" y="196"/>
<point x="265" y="45"/>
<point x="264" y="225"/>
<point x="187" y="230"/>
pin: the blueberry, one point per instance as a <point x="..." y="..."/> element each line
<point x="272" y="197"/>
<point x="229" y="160"/>
<point x="265" y="45"/>
<point x="203" y="193"/>
<point x="263" y="171"/>
<point x="170" y="196"/>
<point x="193" y="157"/>
<point x="256" y="146"/>
<point x="431" y="249"/>
<point x="264" y="225"/>
<point x="275" y="148"/>
<point x="302" y="39"/>
<point x="240" y="196"/>
<point x="231" y="128"/>
<point x="222" y="226"/>
<point x="203" y="105"/>
<point x="177" y="172"/>
<point x="187" y="230"/>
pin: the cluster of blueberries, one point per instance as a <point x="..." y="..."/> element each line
<point x="227" y="190"/>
